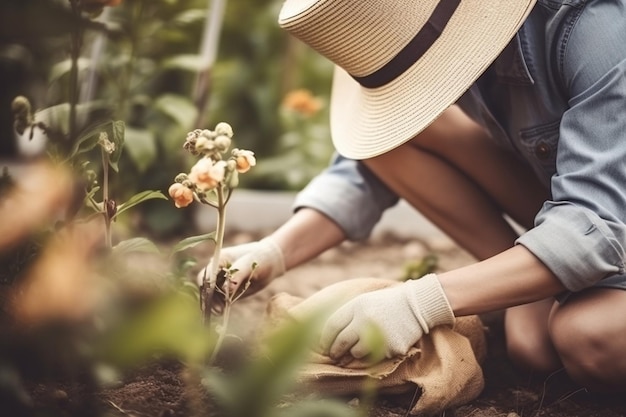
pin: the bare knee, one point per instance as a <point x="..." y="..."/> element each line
<point x="531" y="350"/>
<point x="591" y="352"/>
<point x="527" y="339"/>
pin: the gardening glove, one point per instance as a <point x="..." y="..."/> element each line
<point x="257" y="262"/>
<point x="403" y="313"/>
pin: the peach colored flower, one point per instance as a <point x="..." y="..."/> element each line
<point x="206" y="174"/>
<point x="302" y="101"/>
<point x="244" y="159"/>
<point x="181" y="195"/>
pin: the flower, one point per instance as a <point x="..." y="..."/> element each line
<point x="244" y="159"/>
<point x="181" y="195"/>
<point x="207" y="174"/>
<point x="302" y="101"/>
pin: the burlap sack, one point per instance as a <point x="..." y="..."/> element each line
<point x="444" y="366"/>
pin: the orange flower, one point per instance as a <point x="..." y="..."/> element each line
<point x="206" y="174"/>
<point x="244" y="159"/>
<point x="302" y="101"/>
<point x="181" y="195"/>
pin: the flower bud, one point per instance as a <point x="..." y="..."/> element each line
<point x="222" y="143"/>
<point x="233" y="179"/>
<point x="204" y="144"/>
<point x="22" y="115"/>
<point x="225" y="129"/>
<point x="107" y="145"/>
<point x="111" y="208"/>
<point x="207" y="134"/>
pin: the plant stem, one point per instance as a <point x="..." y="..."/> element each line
<point x="219" y="234"/>
<point x="105" y="199"/>
<point x="219" y="241"/>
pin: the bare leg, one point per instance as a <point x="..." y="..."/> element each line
<point x="589" y="332"/>
<point x="457" y="177"/>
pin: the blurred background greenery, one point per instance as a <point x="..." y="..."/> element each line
<point x="76" y="313"/>
<point x="142" y="62"/>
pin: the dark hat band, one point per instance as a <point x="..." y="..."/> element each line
<point x="413" y="50"/>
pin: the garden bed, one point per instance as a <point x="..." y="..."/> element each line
<point x="158" y="390"/>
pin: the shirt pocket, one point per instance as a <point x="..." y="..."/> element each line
<point x="539" y="145"/>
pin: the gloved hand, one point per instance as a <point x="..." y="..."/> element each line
<point x="259" y="262"/>
<point x="404" y="313"/>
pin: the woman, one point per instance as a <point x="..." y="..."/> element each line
<point x="470" y="111"/>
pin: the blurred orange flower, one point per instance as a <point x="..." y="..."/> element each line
<point x="302" y="101"/>
<point x="60" y="285"/>
<point x="43" y="192"/>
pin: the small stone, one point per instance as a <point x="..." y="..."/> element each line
<point x="354" y="403"/>
<point x="59" y="396"/>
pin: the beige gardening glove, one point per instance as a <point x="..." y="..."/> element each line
<point x="256" y="262"/>
<point x="403" y="313"/>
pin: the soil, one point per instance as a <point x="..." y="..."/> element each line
<point x="158" y="390"/>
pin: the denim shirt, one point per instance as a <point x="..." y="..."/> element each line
<point x="557" y="97"/>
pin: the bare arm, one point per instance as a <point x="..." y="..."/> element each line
<point x="510" y="278"/>
<point x="305" y="235"/>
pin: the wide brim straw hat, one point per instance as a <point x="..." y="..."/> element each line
<point x="399" y="63"/>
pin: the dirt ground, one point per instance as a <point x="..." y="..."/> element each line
<point x="157" y="390"/>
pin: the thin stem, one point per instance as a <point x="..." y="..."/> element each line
<point x="105" y="199"/>
<point x="208" y="285"/>
<point x="219" y="234"/>
<point x="219" y="241"/>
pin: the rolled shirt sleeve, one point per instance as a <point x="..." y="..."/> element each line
<point x="350" y="195"/>
<point x="581" y="233"/>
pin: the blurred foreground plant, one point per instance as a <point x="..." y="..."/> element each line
<point x="211" y="181"/>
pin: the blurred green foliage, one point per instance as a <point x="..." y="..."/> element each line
<point x="139" y="64"/>
<point x="137" y="68"/>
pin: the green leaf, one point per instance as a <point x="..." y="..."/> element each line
<point x="189" y="16"/>
<point x="137" y="244"/>
<point x="192" y="241"/>
<point x="141" y="147"/>
<point x="63" y="67"/>
<point x="139" y="198"/>
<point x="185" y="62"/>
<point x="179" y="108"/>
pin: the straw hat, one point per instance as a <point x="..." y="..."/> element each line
<point x="399" y="63"/>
